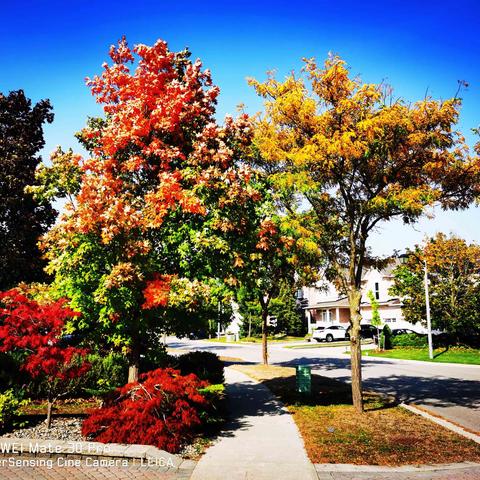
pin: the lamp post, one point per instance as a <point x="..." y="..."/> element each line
<point x="427" y="305"/>
<point x="427" y="301"/>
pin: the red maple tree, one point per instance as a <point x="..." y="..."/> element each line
<point x="36" y="330"/>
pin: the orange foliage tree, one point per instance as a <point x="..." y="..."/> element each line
<point x="453" y="271"/>
<point x="157" y="200"/>
<point x="358" y="157"/>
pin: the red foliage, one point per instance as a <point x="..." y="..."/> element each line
<point x="161" y="410"/>
<point x="156" y="292"/>
<point x="36" y="329"/>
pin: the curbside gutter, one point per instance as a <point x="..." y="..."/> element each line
<point x="443" y="467"/>
<point x="106" y="454"/>
<point x="442" y="422"/>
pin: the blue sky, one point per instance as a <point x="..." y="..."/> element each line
<point x="49" y="47"/>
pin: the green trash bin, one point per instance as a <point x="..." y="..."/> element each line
<point x="304" y="379"/>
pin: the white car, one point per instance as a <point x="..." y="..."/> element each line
<point x="329" y="334"/>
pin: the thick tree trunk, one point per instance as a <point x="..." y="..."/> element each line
<point x="354" y="298"/>
<point x="264" y="336"/>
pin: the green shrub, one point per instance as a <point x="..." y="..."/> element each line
<point x="107" y="372"/>
<point x="10" y="373"/>
<point x="155" y="357"/>
<point x="386" y="338"/>
<point x="410" y="340"/>
<point x="9" y="408"/>
<point x="215" y="412"/>
<point x="206" y="365"/>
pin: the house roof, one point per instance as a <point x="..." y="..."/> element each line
<point x="340" y="302"/>
<point x="386" y="271"/>
<point x="343" y="303"/>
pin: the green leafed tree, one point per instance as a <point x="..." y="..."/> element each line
<point x="376" y="320"/>
<point x="22" y="219"/>
<point x="453" y="271"/>
<point x="284" y="307"/>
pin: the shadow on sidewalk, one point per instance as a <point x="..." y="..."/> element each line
<point x="246" y="399"/>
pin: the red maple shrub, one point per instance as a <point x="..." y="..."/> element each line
<point x="162" y="409"/>
<point x="35" y="330"/>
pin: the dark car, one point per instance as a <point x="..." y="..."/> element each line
<point x="404" y="331"/>
<point x="366" y="331"/>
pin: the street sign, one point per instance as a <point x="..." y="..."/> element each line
<point x="272" y="321"/>
<point x="304" y="379"/>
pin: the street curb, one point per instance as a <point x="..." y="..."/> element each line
<point x="116" y="452"/>
<point x="422" y="362"/>
<point x="345" y="467"/>
<point x="442" y="422"/>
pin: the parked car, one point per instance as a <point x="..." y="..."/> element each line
<point x="315" y="333"/>
<point x="329" y="334"/>
<point x="404" y="331"/>
<point x="366" y="331"/>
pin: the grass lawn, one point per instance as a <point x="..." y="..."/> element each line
<point x="258" y="339"/>
<point x="452" y="355"/>
<point x="385" y="434"/>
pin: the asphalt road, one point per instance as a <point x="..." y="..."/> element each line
<point x="451" y="391"/>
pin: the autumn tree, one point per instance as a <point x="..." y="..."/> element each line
<point x="453" y="272"/>
<point x="34" y="330"/>
<point x="358" y="157"/>
<point x="140" y="248"/>
<point x="22" y="219"/>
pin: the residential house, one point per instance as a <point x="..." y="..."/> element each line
<point x="326" y="306"/>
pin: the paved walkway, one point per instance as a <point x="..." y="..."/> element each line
<point x="84" y="472"/>
<point x="261" y="440"/>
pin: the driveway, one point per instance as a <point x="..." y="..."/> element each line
<point x="451" y="391"/>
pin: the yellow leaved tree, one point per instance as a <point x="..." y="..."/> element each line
<point x="346" y="156"/>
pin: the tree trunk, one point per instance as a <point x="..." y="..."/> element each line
<point x="354" y="298"/>
<point x="133" y="364"/>
<point x="264" y="335"/>
<point x="49" y="412"/>
<point x="133" y="373"/>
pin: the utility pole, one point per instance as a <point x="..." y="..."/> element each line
<point x="429" y="323"/>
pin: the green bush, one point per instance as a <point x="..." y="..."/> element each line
<point x="12" y="376"/>
<point x="10" y="373"/>
<point x="206" y="365"/>
<point x="107" y="372"/>
<point x="9" y="408"/>
<point x="215" y="412"/>
<point x="386" y="338"/>
<point x="155" y="357"/>
<point x="410" y="340"/>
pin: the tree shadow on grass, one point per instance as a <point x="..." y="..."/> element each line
<point x="441" y="353"/>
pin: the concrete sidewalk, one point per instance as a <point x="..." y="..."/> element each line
<point x="261" y="440"/>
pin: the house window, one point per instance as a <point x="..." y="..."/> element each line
<point x="377" y="291"/>
<point x="326" y="316"/>
<point x="390" y="320"/>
